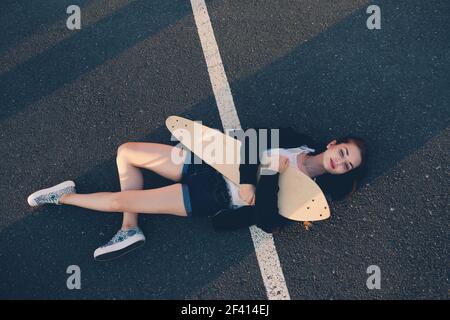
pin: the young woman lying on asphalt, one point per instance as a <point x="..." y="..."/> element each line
<point x="200" y="191"/>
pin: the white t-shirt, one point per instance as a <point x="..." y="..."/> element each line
<point x="291" y="154"/>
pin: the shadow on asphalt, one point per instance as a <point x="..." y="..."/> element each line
<point x="21" y="19"/>
<point x="89" y="48"/>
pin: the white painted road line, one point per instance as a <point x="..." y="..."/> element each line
<point x="266" y="253"/>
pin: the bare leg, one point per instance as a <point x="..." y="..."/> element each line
<point x="165" y="200"/>
<point x="152" y="156"/>
<point x="131" y="178"/>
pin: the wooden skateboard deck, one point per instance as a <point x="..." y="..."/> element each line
<point x="299" y="197"/>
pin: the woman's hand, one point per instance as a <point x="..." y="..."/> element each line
<point x="283" y="164"/>
<point x="277" y="163"/>
<point x="247" y="193"/>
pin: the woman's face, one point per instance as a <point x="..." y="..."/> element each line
<point x="341" y="158"/>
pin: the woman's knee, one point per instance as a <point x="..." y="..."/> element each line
<point x="123" y="149"/>
<point x="124" y="152"/>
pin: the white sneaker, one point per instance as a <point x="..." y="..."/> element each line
<point x="122" y="243"/>
<point x="52" y="194"/>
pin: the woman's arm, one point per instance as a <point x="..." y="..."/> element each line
<point x="288" y="138"/>
<point x="267" y="216"/>
<point x="264" y="214"/>
<point x="248" y="170"/>
<point x="248" y="167"/>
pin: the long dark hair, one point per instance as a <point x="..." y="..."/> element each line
<point x="339" y="187"/>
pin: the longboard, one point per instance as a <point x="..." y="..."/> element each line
<point x="299" y="197"/>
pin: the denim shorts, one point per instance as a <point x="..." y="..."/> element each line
<point x="205" y="191"/>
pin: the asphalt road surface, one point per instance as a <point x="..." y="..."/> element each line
<point x="68" y="99"/>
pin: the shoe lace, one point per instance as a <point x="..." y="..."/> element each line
<point x="118" y="237"/>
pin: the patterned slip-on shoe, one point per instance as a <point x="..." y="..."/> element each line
<point x="122" y="243"/>
<point x="52" y="194"/>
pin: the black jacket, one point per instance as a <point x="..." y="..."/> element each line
<point x="265" y="212"/>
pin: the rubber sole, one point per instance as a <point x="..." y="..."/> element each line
<point x="119" y="253"/>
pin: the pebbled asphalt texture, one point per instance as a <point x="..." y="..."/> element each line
<point x="312" y="65"/>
